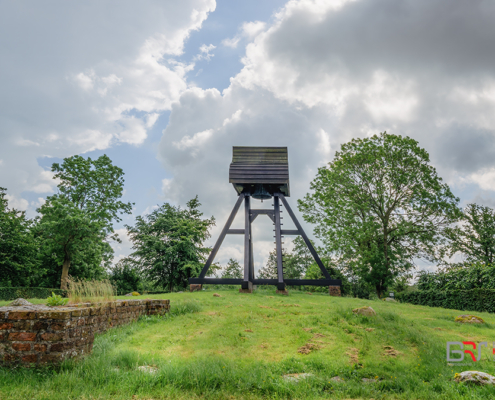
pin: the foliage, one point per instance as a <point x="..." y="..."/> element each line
<point x="18" y="249"/>
<point x="295" y="263"/>
<point x="480" y="300"/>
<point x="168" y="244"/>
<point x="459" y="277"/>
<point x="401" y="283"/>
<point x="135" y="294"/>
<point x="379" y="205"/>
<point x="56" y="300"/>
<point x="314" y="272"/>
<point x="12" y="293"/>
<point x="90" y="290"/>
<point x="76" y="222"/>
<point x="233" y="270"/>
<point x="125" y="276"/>
<point x="475" y="236"/>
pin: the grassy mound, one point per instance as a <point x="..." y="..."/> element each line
<point x="242" y="345"/>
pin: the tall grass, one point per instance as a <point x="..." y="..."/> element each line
<point x="90" y="291"/>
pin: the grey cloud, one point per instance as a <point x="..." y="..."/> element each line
<point x="407" y="36"/>
<point x="465" y="148"/>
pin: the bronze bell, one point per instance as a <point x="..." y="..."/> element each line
<point x="261" y="193"/>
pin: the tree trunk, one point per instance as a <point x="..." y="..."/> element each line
<point x="65" y="273"/>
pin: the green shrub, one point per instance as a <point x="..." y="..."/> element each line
<point x="482" y="300"/>
<point x="135" y="294"/>
<point x="12" y="293"/>
<point x="56" y="300"/>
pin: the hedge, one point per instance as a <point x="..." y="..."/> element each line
<point x="12" y="293"/>
<point x="481" y="300"/>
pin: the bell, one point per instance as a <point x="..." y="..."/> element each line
<point x="261" y="193"/>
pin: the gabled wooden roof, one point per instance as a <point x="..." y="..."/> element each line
<point x="260" y="165"/>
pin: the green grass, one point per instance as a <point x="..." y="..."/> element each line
<point x="240" y="346"/>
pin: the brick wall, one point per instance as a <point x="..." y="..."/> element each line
<point x="32" y="337"/>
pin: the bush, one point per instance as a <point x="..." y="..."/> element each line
<point x="482" y="300"/>
<point x="56" y="300"/>
<point x="12" y="293"/>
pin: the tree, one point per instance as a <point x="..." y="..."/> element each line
<point x="475" y="236"/>
<point x="168" y="243"/>
<point x="233" y="270"/>
<point x="379" y="205"/>
<point x="292" y="267"/>
<point x="18" y="249"/>
<point x="77" y="222"/>
<point x="125" y="276"/>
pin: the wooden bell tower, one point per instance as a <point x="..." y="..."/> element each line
<point x="262" y="173"/>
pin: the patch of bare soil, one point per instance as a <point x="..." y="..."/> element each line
<point x="270" y="308"/>
<point x="370" y="329"/>
<point x="307" y="329"/>
<point x="308" y="348"/>
<point x="248" y="330"/>
<point x="352" y="353"/>
<point x="391" y="352"/>
<point x="291" y="305"/>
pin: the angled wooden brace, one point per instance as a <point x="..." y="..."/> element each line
<point x="222" y="236"/>
<point x="305" y="238"/>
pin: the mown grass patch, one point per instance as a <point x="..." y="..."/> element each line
<point x="240" y="346"/>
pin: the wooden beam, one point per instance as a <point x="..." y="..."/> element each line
<point x="235" y="232"/>
<point x="247" y="234"/>
<point x="278" y="243"/>
<point x="290" y="232"/>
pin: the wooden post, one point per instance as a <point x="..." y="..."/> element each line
<point x="247" y="285"/>
<point x="278" y="244"/>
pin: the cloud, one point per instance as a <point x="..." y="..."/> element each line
<point x="205" y="52"/>
<point x="83" y="77"/>
<point x="248" y="30"/>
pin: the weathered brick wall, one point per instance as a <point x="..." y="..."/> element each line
<point x="43" y="336"/>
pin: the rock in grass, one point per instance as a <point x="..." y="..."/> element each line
<point x="296" y="377"/>
<point x="20" y="302"/>
<point x="367" y="311"/>
<point x="337" y="379"/>
<point x="469" y="319"/>
<point x="476" y="377"/>
<point x="148" y="369"/>
<point x="216" y="295"/>
<point x="389" y="299"/>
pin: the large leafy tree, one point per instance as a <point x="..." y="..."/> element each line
<point x="168" y="243"/>
<point x="474" y="237"/>
<point x="379" y="205"/>
<point x="18" y="249"/>
<point x="77" y="222"/>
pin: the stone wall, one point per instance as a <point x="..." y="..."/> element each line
<point x="34" y="335"/>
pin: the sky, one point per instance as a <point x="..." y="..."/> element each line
<point x="166" y="88"/>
